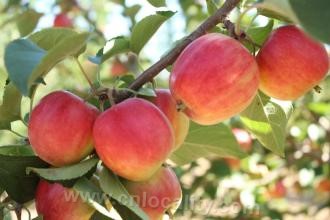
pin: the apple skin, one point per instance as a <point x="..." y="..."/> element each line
<point x="243" y="138"/>
<point x="118" y="68"/>
<point x="179" y="121"/>
<point x="55" y="202"/>
<point x="133" y="138"/>
<point x="62" y="20"/>
<point x="291" y="63"/>
<point x="61" y="128"/>
<point x="215" y="78"/>
<point x="245" y="142"/>
<point x="161" y="193"/>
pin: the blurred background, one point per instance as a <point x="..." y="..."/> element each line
<point x="261" y="186"/>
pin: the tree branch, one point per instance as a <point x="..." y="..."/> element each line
<point x="169" y="58"/>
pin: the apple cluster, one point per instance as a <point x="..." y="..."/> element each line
<point x="213" y="79"/>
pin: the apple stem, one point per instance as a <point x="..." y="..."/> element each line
<point x="85" y="75"/>
<point x="238" y="23"/>
<point x="218" y="17"/>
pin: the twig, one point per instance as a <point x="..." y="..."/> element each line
<point x="154" y="70"/>
<point x="90" y="21"/>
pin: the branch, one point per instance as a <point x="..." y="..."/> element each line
<point x="168" y="59"/>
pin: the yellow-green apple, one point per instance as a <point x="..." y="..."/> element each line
<point x="133" y="138"/>
<point x="291" y="63"/>
<point x="179" y="121"/>
<point x="61" y="128"/>
<point x="54" y="202"/>
<point x="215" y="78"/>
<point x="158" y="195"/>
<point x="62" y="20"/>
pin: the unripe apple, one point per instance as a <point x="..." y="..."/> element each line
<point x="133" y="138"/>
<point x="54" y="202"/>
<point x="215" y="78"/>
<point x="118" y="68"/>
<point x="291" y="63"/>
<point x="62" y="20"/>
<point x="179" y="121"/>
<point x="60" y="128"/>
<point x="157" y="195"/>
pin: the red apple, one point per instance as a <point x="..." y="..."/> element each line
<point x="215" y="78"/>
<point x="118" y="68"/>
<point x="278" y="190"/>
<point x="179" y="121"/>
<point x="324" y="185"/>
<point x="291" y="63"/>
<point x="245" y="141"/>
<point x="62" y="20"/>
<point x="157" y="195"/>
<point x="54" y="202"/>
<point x="60" y="128"/>
<point x="243" y="138"/>
<point x="133" y="138"/>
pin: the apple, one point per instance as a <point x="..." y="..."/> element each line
<point x="323" y="185"/>
<point x="291" y="63"/>
<point x="243" y="138"/>
<point x="158" y="195"/>
<point x="54" y="202"/>
<point x="214" y="78"/>
<point x="118" y="68"/>
<point x="133" y="138"/>
<point x="61" y="128"/>
<point x="179" y="121"/>
<point x="245" y="142"/>
<point x="62" y="20"/>
<point x="277" y="190"/>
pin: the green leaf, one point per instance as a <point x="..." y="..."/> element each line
<point x="10" y="109"/>
<point x="267" y="120"/>
<point x="211" y="7"/>
<point x="21" y="57"/>
<point x="26" y="62"/>
<point x="27" y="21"/>
<point x="112" y="186"/>
<point x="279" y="9"/>
<point x="204" y="141"/>
<point x="314" y="17"/>
<point x="321" y="108"/>
<point x="65" y="173"/>
<point x="119" y="45"/>
<point x="146" y="28"/>
<point x="92" y="195"/>
<point x="132" y="10"/>
<point x="48" y="38"/>
<point x="13" y="162"/>
<point x="259" y="34"/>
<point x="157" y="3"/>
<point x="69" y="46"/>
